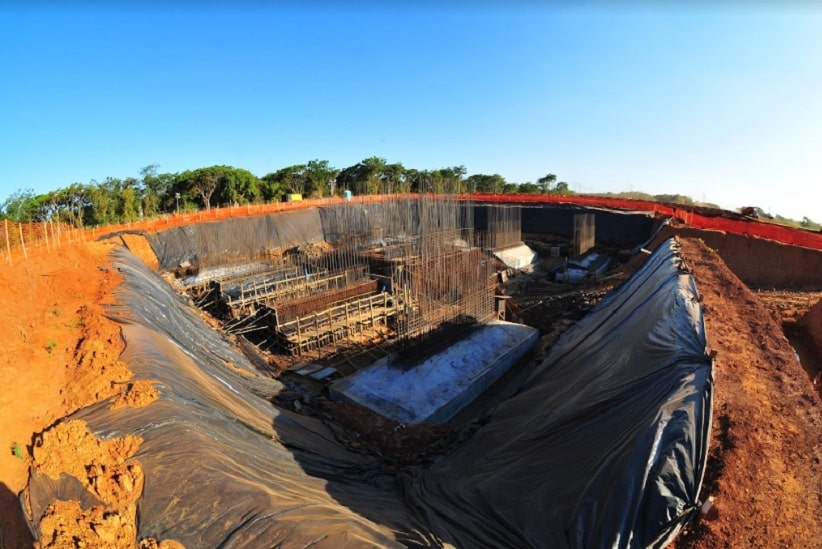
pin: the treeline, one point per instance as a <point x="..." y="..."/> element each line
<point x="667" y="198"/>
<point x="115" y="200"/>
<point x="804" y="223"/>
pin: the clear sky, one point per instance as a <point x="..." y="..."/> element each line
<point x="720" y="103"/>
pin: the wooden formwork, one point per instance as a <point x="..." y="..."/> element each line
<point x="295" y="287"/>
<point x="341" y="321"/>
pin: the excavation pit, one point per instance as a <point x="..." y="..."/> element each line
<point x="608" y="413"/>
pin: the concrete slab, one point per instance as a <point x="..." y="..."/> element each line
<point x="438" y="387"/>
<point x="516" y="257"/>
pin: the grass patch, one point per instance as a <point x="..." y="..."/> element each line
<point x="18" y="451"/>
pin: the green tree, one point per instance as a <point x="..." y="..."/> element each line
<point x="101" y="207"/>
<point x="529" y="188"/>
<point x="71" y="203"/>
<point x="482" y="183"/>
<point x="128" y="200"/>
<point x="157" y="193"/>
<point x="20" y="206"/>
<point x="562" y="188"/>
<point x="546" y="182"/>
<point x="271" y="187"/>
<point x="319" y="177"/>
<point x="364" y="177"/>
<point x="236" y="185"/>
<point x="290" y="179"/>
<point x="392" y="178"/>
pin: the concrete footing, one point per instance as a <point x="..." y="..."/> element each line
<point x="516" y="257"/>
<point x="435" y="389"/>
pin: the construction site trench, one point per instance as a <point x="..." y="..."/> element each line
<point x="257" y="335"/>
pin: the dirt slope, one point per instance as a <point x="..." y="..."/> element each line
<point x="764" y="466"/>
<point x="59" y="354"/>
<point x="51" y="302"/>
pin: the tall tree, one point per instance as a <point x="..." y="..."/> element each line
<point x="155" y="190"/>
<point x="482" y="183"/>
<point x="562" y="188"/>
<point x="236" y="185"/>
<point x="72" y="202"/>
<point x="19" y="206"/>
<point x="392" y="178"/>
<point x="204" y="184"/>
<point x="364" y="177"/>
<point x="319" y="178"/>
<point x="546" y="182"/>
<point x="290" y="179"/>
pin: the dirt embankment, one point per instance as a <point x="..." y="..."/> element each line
<point x="61" y="354"/>
<point x="765" y="461"/>
<point x="809" y="332"/>
<point x="760" y="263"/>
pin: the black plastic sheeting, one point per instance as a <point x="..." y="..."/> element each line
<point x="604" y="445"/>
<point x="213" y="243"/>
<point x="613" y="227"/>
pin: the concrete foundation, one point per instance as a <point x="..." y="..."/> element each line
<point x="516" y="257"/>
<point x="438" y="387"/>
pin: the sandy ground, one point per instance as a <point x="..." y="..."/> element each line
<point x="60" y="353"/>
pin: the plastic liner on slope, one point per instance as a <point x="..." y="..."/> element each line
<point x="613" y="227"/>
<point x="222" y="465"/>
<point x="605" y="446"/>
<point x="217" y="242"/>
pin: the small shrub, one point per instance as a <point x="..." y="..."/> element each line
<point x="18" y="451"/>
<point x="50" y="346"/>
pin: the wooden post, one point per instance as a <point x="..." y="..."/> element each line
<point x="299" y="337"/>
<point x="371" y="307"/>
<point x="22" y="242"/>
<point x="331" y="327"/>
<point x="348" y="331"/>
<point x="46" y="234"/>
<point x="359" y="315"/>
<point x="8" y="244"/>
<point x="317" y="334"/>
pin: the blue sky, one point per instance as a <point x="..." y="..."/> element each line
<point x="719" y="103"/>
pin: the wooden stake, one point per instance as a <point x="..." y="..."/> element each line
<point x="22" y="242"/>
<point x="8" y="244"/>
<point x="46" y="234"/>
